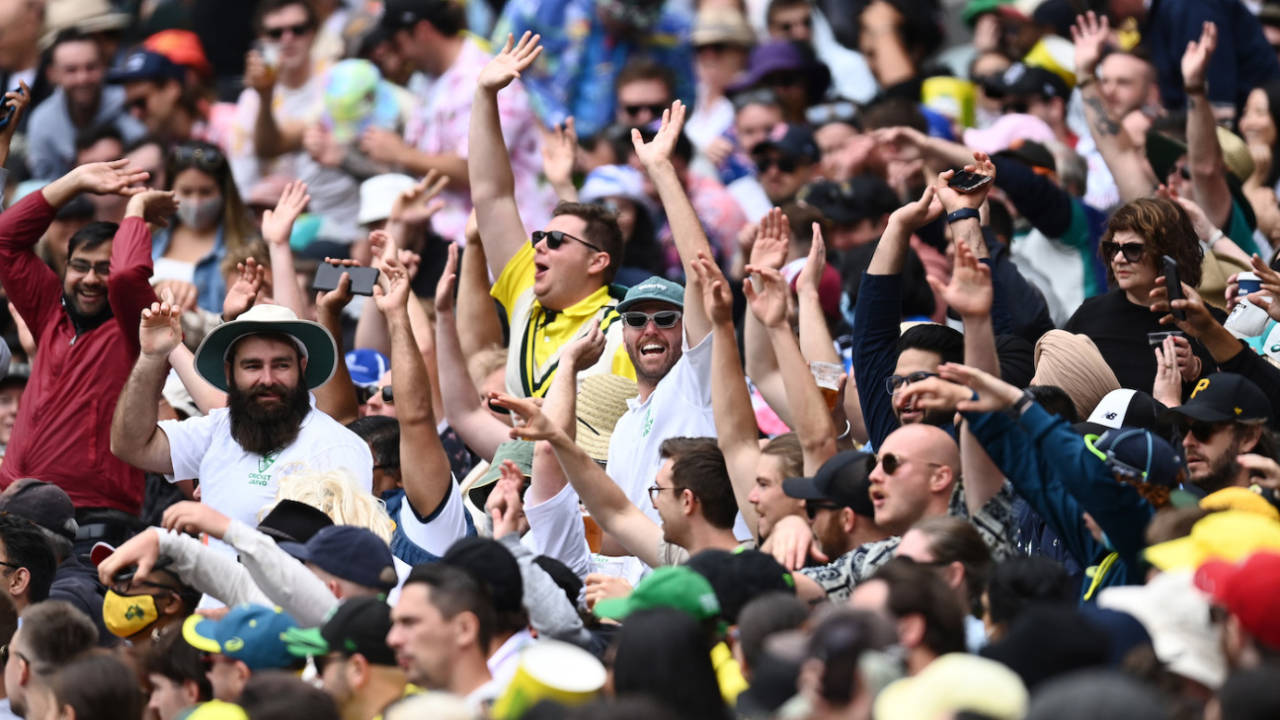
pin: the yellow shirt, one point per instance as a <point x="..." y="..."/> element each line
<point x="538" y="334"/>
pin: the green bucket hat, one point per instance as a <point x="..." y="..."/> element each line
<point x="519" y="452"/>
<point x="673" y="586"/>
<point x="655" y="288"/>
<point x="313" y="341"/>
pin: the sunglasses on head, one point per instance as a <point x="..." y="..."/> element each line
<point x="1204" y="431"/>
<point x="276" y="33"/>
<point x="556" y="238"/>
<point x="784" y="164"/>
<point x="894" y="383"/>
<point x="663" y="318"/>
<point x="1132" y="252"/>
<point x="199" y="156"/>
<point x="636" y="110"/>
<point x="811" y="507"/>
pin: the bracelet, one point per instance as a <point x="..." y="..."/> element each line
<point x="1023" y="403"/>
<point x="1200" y="89"/>
<point x="848" y="428"/>
<point x="963" y="214"/>
<point x="1207" y="245"/>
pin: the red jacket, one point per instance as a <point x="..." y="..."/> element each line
<point x="63" y="430"/>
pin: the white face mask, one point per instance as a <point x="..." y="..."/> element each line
<point x="200" y="214"/>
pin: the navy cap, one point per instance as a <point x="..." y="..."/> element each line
<point x="1023" y="80"/>
<point x="859" y="198"/>
<point x="795" y="141"/>
<point x="845" y="479"/>
<point x="1139" y="454"/>
<point x="145" y="65"/>
<point x="349" y="552"/>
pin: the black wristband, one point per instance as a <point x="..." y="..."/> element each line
<point x="963" y="214"/>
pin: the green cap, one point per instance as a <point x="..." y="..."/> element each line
<point x="974" y="8"/>
<point x="655" y="288"/>
<point x="675" y="587"/>
<point x="519" y="452"/>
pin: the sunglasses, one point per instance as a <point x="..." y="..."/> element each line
<point x="276" y="33"/>
<point x="835" y="111"/>
<point x="200" y="156"/>
<point x="784" y="164"/>
<point x="637" y="110"/>
<point x="1132" y="252"/>
<point x="894" y="383"/>
<point x="759" y="96"/>
<point x="811" y="507"/>
<point x="365" y="394"/>
<point x="663" y="318"/>
<point x="556" y="238"/>
<point x="890" y="463"/>
<point x="1204" y="431"/>
<point x="81" y="265"/>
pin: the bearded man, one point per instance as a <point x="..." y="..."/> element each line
<point x="266" y="360"/>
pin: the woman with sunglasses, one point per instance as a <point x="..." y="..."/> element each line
<point x="211" y="220"/>
<point x="1138" y="236"/>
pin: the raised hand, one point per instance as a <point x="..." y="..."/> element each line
<point x="1090" y="35"/>
<point x="772" y="241"/>
<point x="915" y="215"/>
<point x="993" y="393"/>
<point x="277" y="225"/>
<point x="716" y="296"/>
<point x="533" y="424"/>
<point x="195" y="517"/>
<point x="1167" y="387"/>
<point x="791" y="543"/>
<point x="416" y="205"/>
<point x="659" y="149"/>
<point x="160" y="329"/>
<point x="1195" y="59"/>
<point x="448" y="280"/>
<point x="969" y="293"/>
<point x="1269" y="296"/>
<point x="391" y="293"/>
<point x="931" y="394"/>
<point x="767" y="295"/>
<point x="142" y="550"/>
<point x="508" y="64"/>
<point x="1198" y="323"/>
<point x="19" y="99"/>
<point x="599" y="586"/>
<point x="243" y="293"/>
<point x="320" y="145"/>
<point x="585" y="351"/>
<point x="811" y="274"/>
<point x="183" y="294"/>
<point x="109" y="178"/>
<point x="257" y="74"/>
<point x="505" y="505"/>
<point x="952" y="199"/>
<point x="559" y="148"/>
<point x="333" y="301"/>
<point x="153" y="206"/>
<point x="905" y="142"/>
<point x="1262" y="470"/>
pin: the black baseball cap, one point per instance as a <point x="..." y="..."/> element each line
<point x="1224" y="397"/>
<point x="42" y="503"/>
<point x="791" y="140"/>
<point x="1023" y="80"/>
<point x="845" y="480"/>
<point x="492" y="564"/>
<point x="861" y="197"/>
<point x="1030" y="153"/>
<point x="145" y="65"/>
<point x="293" y="521"/>
<point x="358" y="626"/>
<point x="349" y="552"/>
<point x="404" y="14"/>
<point x="740" y="576"/>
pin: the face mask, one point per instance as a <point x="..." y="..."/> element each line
<point x="127" y="615"/>
<point x="200" y="214"/>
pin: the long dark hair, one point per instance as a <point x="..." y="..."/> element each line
<point x="664" y="654"/>
<point x="237" y="224"/>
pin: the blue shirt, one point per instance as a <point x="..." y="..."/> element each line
<point x="1244" y="60"/>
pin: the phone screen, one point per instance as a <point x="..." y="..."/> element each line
<point x="965" y="181"/>
<point x="362" y="278"/>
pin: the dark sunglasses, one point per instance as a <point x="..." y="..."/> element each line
<point x="365" y="394"/>
<point x="1204" y="431"/>
<point x="276" y="33"/>
<point x="785" y="27"/>
<point x="811" y="507"/>
<point x="894" y="383"/>
<point x="663" y="318"/>
<point x="784" y="164"/>
<point x="1132" y="252"/>
<point x="556" y="238"/>
<point x="199" y="156"/>
<point x="636" y="110"/>
<point x="890" y="463"/>
<point x="81" y="265"/>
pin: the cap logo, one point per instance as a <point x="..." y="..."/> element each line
<point x="135" y="61"/>
<point x="1111" y="415"/>
<point x="234" y="644"/>
<point x="1239" y="411"/>
<point x="1202" y="385"/>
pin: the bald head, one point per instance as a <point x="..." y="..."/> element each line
<point x="927" y="442"/>
<point x="915" y="476"/>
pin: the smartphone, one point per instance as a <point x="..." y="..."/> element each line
<point x="1174" y="286"/>
<point x="7" y="111"/>
<point x="362" y="278"/>
<point x="965" y="181"/>
<point x="498" y="408"/>
<point x="1155" y="339"/>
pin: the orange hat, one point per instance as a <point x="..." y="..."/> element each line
<point x="182" y="47"/>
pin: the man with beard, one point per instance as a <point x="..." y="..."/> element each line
<point x="266" y="360"/>
<point x="1224" y="418"/>
<point x="61" y="433"/>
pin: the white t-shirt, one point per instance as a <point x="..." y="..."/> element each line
<point x="435" y="533"/>
<point x="556" y="529"/>
<point x="238" y="483"/>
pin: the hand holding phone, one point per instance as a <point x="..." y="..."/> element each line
<point x="1173" y="286"/>
<point x="362" y="278"/>
<point x="966" y="182"/>
<point x="9" y="109"/>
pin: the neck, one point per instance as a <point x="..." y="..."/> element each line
<point x="918" y="658"/>
<point x="469" y="673"/>
<point x="497" y="642"/>
<point x="1138" y="296"/>
<point x="27" y="59"/>
<point x="646" y="387"/>
<point x="180" y="125"/>
<point x="384" y="688"/>
<point x="703" y="536"/>
<point x="450" y="49"/>
<point x="866" y="531"/>
<point x="296" y="77"/>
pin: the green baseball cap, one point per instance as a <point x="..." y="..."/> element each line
<point x="519" y="452"/>
<point x="655" y="288"/>
<point x="675" y="587"/>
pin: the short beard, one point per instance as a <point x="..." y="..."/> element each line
<point x="1222" y="473"/>
<point x="264" y="430"/>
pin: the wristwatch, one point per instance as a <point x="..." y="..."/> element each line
<point x="962" y="214"/>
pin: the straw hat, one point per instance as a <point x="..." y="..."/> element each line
<point x="602" y="399"/>
<point x="87" y="16"/>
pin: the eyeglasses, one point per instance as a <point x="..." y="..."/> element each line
<point x="636" y="110"/>
<point x="1132" y="252"/>
<point x="556" y="238"/>
<point x="713" y="48"/>
<point x="276" y="33"/>
<point x="80" y="265"/>
<point x="1204" y="431"/>
<point x="811" y="507"/>
<point x="784" y="164"/>
<point x="366" y="394"/>
<point x="894" y="383"/>
<point x="663" y="318"/>
<point x="655" y="491"/>
<point x="890" y="463"/>
<point x="127" y="587"/>
<point x="200" y="156"/>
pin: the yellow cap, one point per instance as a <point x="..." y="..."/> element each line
<point x="1055" y="54"/>
<point x="953" y="97"/>
<point x="1230" y="535"/>
<point x="1242" y="499"/>
<point x="951" y="684"/>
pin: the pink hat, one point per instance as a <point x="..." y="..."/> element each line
<point x="1007" y="129"/>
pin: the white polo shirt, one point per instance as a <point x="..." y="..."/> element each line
<point x="238" y="483"/>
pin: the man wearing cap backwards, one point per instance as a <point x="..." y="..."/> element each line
<point x="266" y="360"/>
<point x="1224" y="418"/>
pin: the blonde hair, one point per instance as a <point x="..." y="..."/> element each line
<point x="485" y="363"/>
<point x="336" y="494"/>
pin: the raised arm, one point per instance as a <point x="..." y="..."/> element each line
<point x="602" y="496"/>
<point x="1128" y="166"/>
<point x="736" y="431"/>
<point x="489" y="163"/>
<point x="772" y="242"/>
<point x="816" y="343"/>
<point x="270" y="138"/>
<point x="337" y="398"/>
<point x="476" y="309"/>
<point x="686" y="229"/>
<point x="423" y="462"/>
<point x="206" y="396"/>
<point x="135" y="436"/>
<point x="1204" y="154"/>
<point x="560" y="407"/>
<point x="129" y="285"/>
<point x="277" y="226"/>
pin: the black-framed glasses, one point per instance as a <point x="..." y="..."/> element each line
<point x="365" y="394"/>
<point x="890" y="462"/>
<point x="1132" y="252"/>
<point x="655" y="490"/>
<point x="811" y="507"/>
<point x="277" y="33"/>
<point x="1204" y="431"/>
<point x="784" y="164"/>
<point x="81" y="265"/>
<point x="556" y="238"/>
<point x="637" y="109"/>
<point x="205" y="157"/>
<point x="894" y="383"/>
<point x="664" y="319"/>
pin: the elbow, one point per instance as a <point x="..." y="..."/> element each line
<point x="819" y="447"/>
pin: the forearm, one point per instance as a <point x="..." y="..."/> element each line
<point x="134" y="422"/>
<point x="209" y="571"/>
<point x="61" y="191"/>
<point x="762" y="366"/>
<point x="463" y="409"/>
<point x="453" y="167"/>
<point x="599" y="493"/>
<point x="284" y="279"/>
<point x="268" y="140"/>
<point x="474" y="307"/>
<point x="969" y="231"/>
<point x="690" y="240"/>
<point x="891" y="251"/>
<point x="816" y="343"/>
<point x="1220" y="343"/>
<point x="1204" y="160"/>
<point x="736" y="430"/>
<point x="371" y="330"/>
<point x="493" y="183"/>
<point x="337" y="398"/>
<point x="129" y="285"/>
<point x="808" y="409"/>
<point x="206" y="396"/>
<point x="1132" y="173"/>
<point x="285" y="581"/>
<point x="424" y="466"/>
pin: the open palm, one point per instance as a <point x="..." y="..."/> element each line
<point x="508" y="64"/>
<point x="659" y="149"/>
<point x="767" y="295"/>
<point x="969" y="293"/>
<point x="160" y="329"/>
<point x="773" y="240"/>
<point x="277" y="224"/>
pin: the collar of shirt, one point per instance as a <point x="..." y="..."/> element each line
<point x="581" y="310"/>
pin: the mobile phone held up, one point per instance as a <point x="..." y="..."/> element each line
<point x="8" y="110"/>
<point x="966" y="182"/>
<point x="1174" y="286"/>
<point x="362" y="278"/>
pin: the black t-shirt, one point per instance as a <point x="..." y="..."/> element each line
<point x="1119" y="329"/>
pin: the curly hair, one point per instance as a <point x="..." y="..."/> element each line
<point x="336" y="494"/>
<point x="1165" y="228"/>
